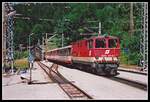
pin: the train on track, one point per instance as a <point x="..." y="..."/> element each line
<point x="96" y="54"/>
<point x="36" y="51"/>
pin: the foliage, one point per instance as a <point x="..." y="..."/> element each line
<point x="124" y="58"/>
<point x="71" y="19"/>
<point x="20" y="55"/>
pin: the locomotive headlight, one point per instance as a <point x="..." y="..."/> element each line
<point x="115" y="58"/>
<point x="100" y="58"/>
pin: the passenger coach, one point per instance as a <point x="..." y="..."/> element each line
<point x="60" y="55"/>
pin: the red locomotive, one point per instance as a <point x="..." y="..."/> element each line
<point x="97" y="54"/>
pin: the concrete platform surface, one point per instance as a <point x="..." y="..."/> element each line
<point x="13" y="87"/>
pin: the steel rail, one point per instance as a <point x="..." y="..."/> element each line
<point x="69" y="88"/>
<point x="132" y="71"/>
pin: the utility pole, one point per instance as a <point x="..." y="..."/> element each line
<point x="20" y="47"/>
<point x="97" y="27"/>
<point x="30" y="59"/>
<point x="38" y="42"/>
<point x="10" y="12"/>
<point x="46" y="45"/>
<point x="99" y="32"/>
<point x="62" y="40"/>
<point x="64" y="20"/>
<point x="43" y="48"/>
<point x="3" y="37"/>
<point x="144" y="36"/>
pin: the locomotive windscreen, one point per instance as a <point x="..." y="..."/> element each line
<point x="100" y="43"/>
<point x="112" y="43"/>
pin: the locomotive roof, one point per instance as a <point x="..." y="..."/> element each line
<point x="103" y="36"/>
<point x="61" y="48"/>
<point x="113" y="37"/>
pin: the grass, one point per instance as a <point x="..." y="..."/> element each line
<point x="129" y="66"/>
<point x="21" y="63"/>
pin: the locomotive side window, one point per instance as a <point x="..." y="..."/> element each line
<point x="112" y="43"/>
<point x="90" y="44"/>
<point x="100" y="43"/>
<point x="68" y="52"/>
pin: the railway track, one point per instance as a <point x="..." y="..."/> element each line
<point x="70" y="89"/>
<point x="137" y="72"/>
<point x="133" y="83"/>
<point x="130" y="82"/>
<point x="127" y="81"/>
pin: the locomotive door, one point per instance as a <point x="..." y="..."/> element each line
<point x="89" y="47"/>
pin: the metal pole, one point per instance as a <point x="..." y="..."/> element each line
<point x="9" y="33"/>
<point x="3" y="39"/>
<point x="145" y="29"/>
<point x="51" y="37"/>
<point x="42" y="48"/>
<point x="62" y="39"/>
<point x="29" y="44"/>
<point x="12" y="57"/>
<point x="46" y="45"/>
<point x="30" y="64"/>
<point x="99" y="29"/>
<point x="12" y="66"/>
<point x="30" y="73"/>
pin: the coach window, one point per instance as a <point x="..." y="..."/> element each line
<point x="90" y="44"/>
<point x="100" y="43"/>
<point x="64" y="52"/>
<point x="69" y="51"/>
<point x="61" y="52"/>
<point x="112" y="43"/>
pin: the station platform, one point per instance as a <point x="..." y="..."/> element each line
<point x="42" y="88"/>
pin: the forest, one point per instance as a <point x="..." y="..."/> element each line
<point x="78" y="21"/>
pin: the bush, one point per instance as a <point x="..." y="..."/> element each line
<point x="123" y="58"/>
<point x="20" y="55"/>
<point x="130" y="58"/>
<point x="134" y="58"/>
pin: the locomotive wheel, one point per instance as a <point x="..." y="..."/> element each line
<point x="93" y="70"/>
<point x="113" y="72"/>
<point x="99" y="71"/>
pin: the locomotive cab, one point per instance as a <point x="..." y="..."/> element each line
<point x="99" y="54"/>
<point x="106" y="52"/>
<point x="107" y="47"/>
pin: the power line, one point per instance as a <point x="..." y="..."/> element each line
<point x="33" y="18"/>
